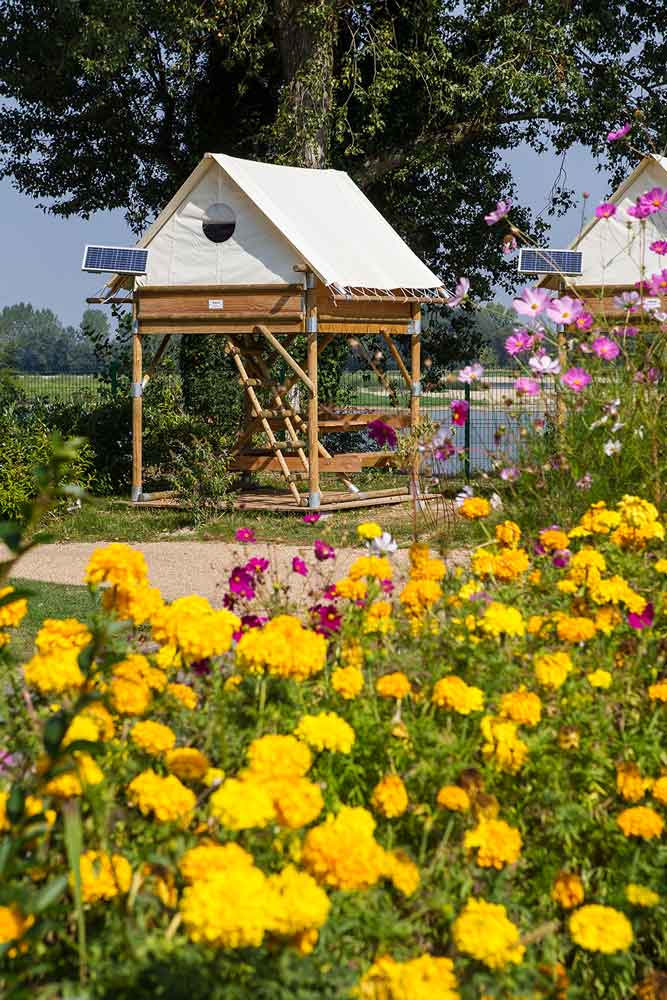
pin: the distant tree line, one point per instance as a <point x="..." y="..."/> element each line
<point x="35" y="340"/>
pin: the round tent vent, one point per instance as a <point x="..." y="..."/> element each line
<point x="219" y="222"/>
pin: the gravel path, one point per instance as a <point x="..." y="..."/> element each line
<point x="179" y="568"/>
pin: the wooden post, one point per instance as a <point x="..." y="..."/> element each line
<point x="137" y="413"/>
<point x="314" y="496"/>
<point x="415" y="393"/>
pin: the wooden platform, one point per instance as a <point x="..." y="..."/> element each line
<point x="280" y="502"/>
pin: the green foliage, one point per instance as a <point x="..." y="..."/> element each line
<point x="201" y="476"/>
<point x="34" y="340"/>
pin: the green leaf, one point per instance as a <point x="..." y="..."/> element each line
<point x="74" y="848"/>
<point x="15" y="805"/>
<point x="49" y="893"/>
<point x="10" y="534"/>
<point x="86" y="657"/>
<point x="54" y="732"/>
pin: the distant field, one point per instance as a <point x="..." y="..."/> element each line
<point x="60" y="386"/>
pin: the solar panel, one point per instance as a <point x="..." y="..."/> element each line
<point x="545" y="261"/>
<point x="119" y="260"/>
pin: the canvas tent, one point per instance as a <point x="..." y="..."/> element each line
<point x="262" y="253"/>
<point x="616" y="252"/>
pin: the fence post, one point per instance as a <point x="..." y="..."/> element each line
<point x="466" y="433"/>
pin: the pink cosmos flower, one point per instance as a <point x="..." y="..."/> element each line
<point x="382" y="433"/>
<point x="323" y="550"/>
<point x="561" y="558"/>
<point x="509" y="244"/>
<point x="386" y="586"/>
<point x="605" y="348"/>
<point x="532" y="301"/>
<point x="542" y="364"/>
<point x="460" y="293"/>
<point x="499" y="212"/>
<point x="584" y="321"/>
<point x="312" y="517"/>
<point x="299" y="566"/>
<point x="605" y="210"/>
<point x="510" y="473"/>
<point x="585" y="482"/>
<point x="459" y="410"/>
<point x="327" y="617"/>
<point x="638" y="211"/>
<point x="526" y="386"/>
<point x="627" y="300"/>
<point x="256" y="565"/>
<point x="654" y="200"/>
<point x="330" y="593"/>
<point x="619" y="133"/>
<point x="626" y="331"/>
<point x="576" y="379"/>
<point x="657" y="283"/>
<point x="471" y="373"/>
<point x="241" y="583"/>
<point x="248" y="622"/>
<point x="444" y="451"/>
<point x="659" y="247"/>
<point x="245" y="535"/>
<point x="520" y="340"/>
<point x="644" y="620"/>
<point x="564" y="310"/>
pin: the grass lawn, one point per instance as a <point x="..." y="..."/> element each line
<point x="48" y="600"/>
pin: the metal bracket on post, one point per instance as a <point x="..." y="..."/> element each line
<point x="415" y="326"/>
<point x="136" y="494"/>
<point x="416" y="389"/>
<point x="137" y="390"/>
<point x="310" y="279"/>
<point x="311" y="324"/>
<point x="314" y="499"/>
<point x="135" y="326"/>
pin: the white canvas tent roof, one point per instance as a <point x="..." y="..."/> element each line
<point x="614" y="249"/>
<point x="319" y="217"/>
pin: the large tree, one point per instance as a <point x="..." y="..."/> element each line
<point x="110" y="103"/>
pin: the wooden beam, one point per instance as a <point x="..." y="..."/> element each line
<point x="137" y="411"/>
<point x="277" y="346"/>
<point x="396" y="355"/>
<point x="113" y="300"/>
<point x="156" y="359"/>
<point x="148" y="290"/>
<point x="214" y="316"/>
<point x="351" y="421"/>
<point x="314" y="495"/>
<point x="350" y="462"/>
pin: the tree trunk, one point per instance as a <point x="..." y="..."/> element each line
<point x="306" y="32"/>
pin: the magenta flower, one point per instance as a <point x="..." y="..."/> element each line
<point x="459" y="410"/>
<point x="386" y="586"/>
<point x="8" y="760"/>
<point x="256" y="565"/>
<point x="245" y="535"/>
<point x="561" y="558"/>
<point x="499" y="212"/>
<point x="657" y="283"/>
<point x="627" y="300"/>
<point x="299" y="566"/>
<point x="445" y="451"/>
<point x="520" y="340"/>
<point x="241" y="583"/>
<point x="619" y="133"/>
<point x="201" y="667"/>
<point x="626" y="331"/>
<point x="526" y="386"/>
<point x="605" y="210"/>
<point x="564" y="310"/>
<point x="584" y="321"/>
<point x="576" y="379"/>
<point x="382" y="433"/>
<point x="460" y="292"/>
<point x="327" y="617"/>
<point x="638" y="211"/>
<point x="471" y="373"/>
<point x="510" y="473"/>
<point x="644" y="620"/>
<point x="606" y="348"/>
<point x="323" y="550"/>
<point x="659" y="247"/>
<point x="330" y="593"/>
<point x="312" y="517"/>
<point x="654" y="200"/>
<point x="532" y="301"/>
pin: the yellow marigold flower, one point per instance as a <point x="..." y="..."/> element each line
<point x="535" y="577"/>
<point x="202" y="862"/>
<point x="282" y="647"/>
<point x="498" y="844"/>
<point x="276" y="756"/>
<point x="59" y="635"/>
<point x="343" y="853"/>
<point x="297" y="802"/>
<point x="351" y="590"/>
<point x="166" y="798"/>
<point x="84" y="773"/>
<point x="195" y="628"/>
<point x="12" y="614"/>
<point x="552" y="669"/>
<point x="168" y="658"/>
<point x="326" y="731"/>
<point x="378" y="618"/>
<point x="636" y="512"/>
<point x="601" y="928"/>
<point x="606" y="620"/>
<point x="187" y="763"/>
<point x="377" y="567"/>
<point x="554" y="538"/>
<point x="503" y="744"/>
<point x="368" y="530"/>
<point x="184" y="694"/>
<point x="394" y="685"/>
<point x="352" y="655"/>
<point x="508" y="533"/>
<point x="419" y="595"/>
<point x="427" y="568"/>
<point x="136" y="667"/>
<point x="390" y="796"/>
<point x="534" y="624"/>
<point x="573" y="629"/>
<point x="660" y="566"/>
<point x="659" y="790"/>
<point x="103" y="876"/>
<point x="641" y="895"/>
<point x="522" y="707"/>
<point x="242" y="804"/>
<point x="214" y="776"/>
<point x="568" y="738"/>
<point x="54" y="673"/>
<point x="231" y="909"/>
<point x="484" y="931"/>
<point x="103" y="719"/>
<point x="597" y="521"/>
<point x="641" y="821"/>
<point x="453" y="692"/>
<point x="233" y="682"/>
<point x="153" y="737"/>
<point x="658" y="692"/>
<point x="402" y="872"/>
<point x="118" y="565"/>
<point x="347" y="682"/>
<point x="33" y="807"/>
<point x="568" y="890"/>
<point x="629" y="782"/>
<point x="586" y="566"/>
<point x="453" y="798"/>
<point x="423" y="978"/>
<point x="138" y="604"/>
<point x="130" y="697"/>
<point x="499" y="619"/>
<point x="567" y="586"/>
<point x="301" y="904"/>
<point x="13" y="925"/>
<point x="81" y="727"/>
<point x="599" y="678"/>
<point x="475" y="507"/>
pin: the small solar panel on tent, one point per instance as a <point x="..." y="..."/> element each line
<point x="545" y="261"/>
<point x="119" y="260"/>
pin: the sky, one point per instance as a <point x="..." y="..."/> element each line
<point x="41" y="254"/>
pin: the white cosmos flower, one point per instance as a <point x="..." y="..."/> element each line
<point x="464" y="495"/>
<point x="542" y="364"/>
<point x="384" y="544"/>
<point x="495" y="501"/>
<point x="611" y="447"/>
